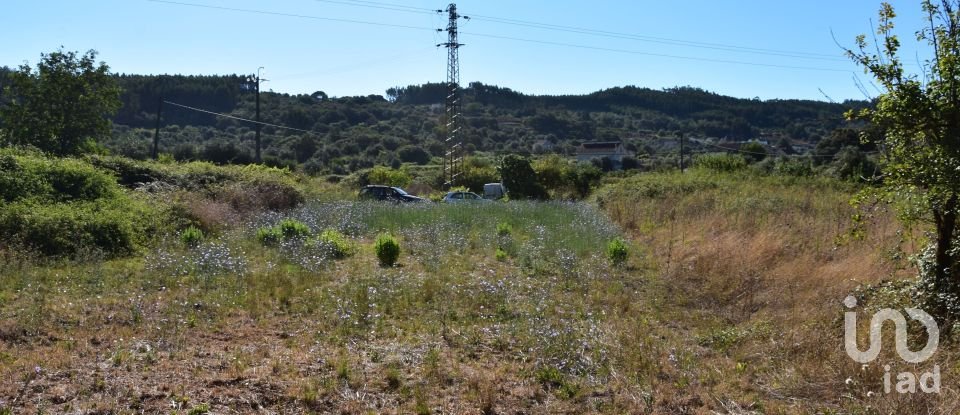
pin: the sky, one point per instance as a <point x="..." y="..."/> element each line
<point x="770" y="49"/>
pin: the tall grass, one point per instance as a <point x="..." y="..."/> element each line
<point x="755" y="267"/>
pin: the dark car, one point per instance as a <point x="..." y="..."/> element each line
<point x="388" y="194"/>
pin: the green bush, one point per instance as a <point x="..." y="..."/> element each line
<point x="617" y="251"/>
<point x="269" y="236"/>
<point x="66" y="229"/>
<point x="388" y="177"/>
<point x="501" y="255"/>
<point x="77" y="180"/>
<point x="16" y="182"/>
<point x="520" y="179"/>
<point x="504" y="229"/>
<point x="191" y="237"/>
<point x="387" y="249"/>
<point x="335" y="243"/>
<point x="720" y="162"/>
<point x="293" y="229"/>
<point x="27" y="175"/>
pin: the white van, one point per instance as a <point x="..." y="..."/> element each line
<point x="494" y="191"/>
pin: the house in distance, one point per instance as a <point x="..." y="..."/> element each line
<point x="612" y="150"/>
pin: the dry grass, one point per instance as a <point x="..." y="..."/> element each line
<point x="753" y="271"/>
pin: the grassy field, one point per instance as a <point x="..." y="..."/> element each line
<point x="730" y="303"/>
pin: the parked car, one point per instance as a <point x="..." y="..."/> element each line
<point x="461" y="197"/>
<point x="387" y="194"/>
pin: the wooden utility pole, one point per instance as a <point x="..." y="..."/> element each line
<point x="681" y="152"/>
<point x="156" y="133"/>
<point x="259" y="126"/>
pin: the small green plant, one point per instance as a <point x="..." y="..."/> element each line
<point x="617" y="252"/>
<point x="335" y="243"/>
<point x="387" y="249"/>
<point x="501" y="255"/>
<point x="269" y="236"/>
<point x="291" y="229"/>
<point x="200" y="409"/>
<point x="551" y="378"/>
<point x="191" y="237"/>
<point x="504" y="229"/>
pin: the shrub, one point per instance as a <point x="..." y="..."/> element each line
<point x="290" y="229"/>
<point x="191" y="237"/>
<point x="501" y="255"/>
<point x="387" y="249"/>
<point x="15" y="182"/>
<point x="32" y="176"/>
<point x="130" y="172"/>
<point x="65" y="229"/>
<point x="720" y="162"/>
<point x="76" y="180"/>
<point x="388" y="177"/>
<point x="504" y="229"/>
<point x="520" y="179"/>
<point x="335" y="243"/>
<point x="617" y="251"/>
<point x="269" y="236"/>
<point x="246" y="196"/>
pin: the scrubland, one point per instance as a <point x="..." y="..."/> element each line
<point x="729" y="302"/>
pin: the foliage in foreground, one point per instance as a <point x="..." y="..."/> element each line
<point x="67" y="206"/>
<point x="919" y="115"/>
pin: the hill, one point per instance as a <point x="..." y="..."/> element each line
<point x="344" y="134"/>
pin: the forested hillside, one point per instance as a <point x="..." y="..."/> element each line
<point x="350" y="133"/>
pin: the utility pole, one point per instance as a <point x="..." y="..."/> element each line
<point x="681" y="152"/>
<point x="256" y="80"/>
<point x="453" y="156"/>
<point x="156" y="133"/>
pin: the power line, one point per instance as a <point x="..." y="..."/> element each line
<point x="381" y="6"/>
<point x="602" y="33"/>
<point x="544" y="42"/>
<point x="301" y="16"/>
<point x="662" y="55"/>
<point x="344" y="68"/>
<point x="237" y="118"/>
<point x="662" y="40"/>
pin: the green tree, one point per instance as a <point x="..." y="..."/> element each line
<point x="920" y="116"/>
<point x="63" y="105"/>
<point x="388" y="177"/>
<point x="754" y="151"/>
<point x="520" y="179"/>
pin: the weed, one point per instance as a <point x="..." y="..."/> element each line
<point x="200" y="409"/>
<point x="617" y="252"/>
<point x="504" y="229"/>
<point x="191" y="237"/>
<point x="293" y="229"/>
<point x="334" y="244"/>
<point x="269" y="236"/>
<point x="387" y="249"/>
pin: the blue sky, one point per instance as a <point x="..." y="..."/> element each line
<point x="698" y="43"/>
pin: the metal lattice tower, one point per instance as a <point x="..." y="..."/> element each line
<point x="453" y="156"/>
